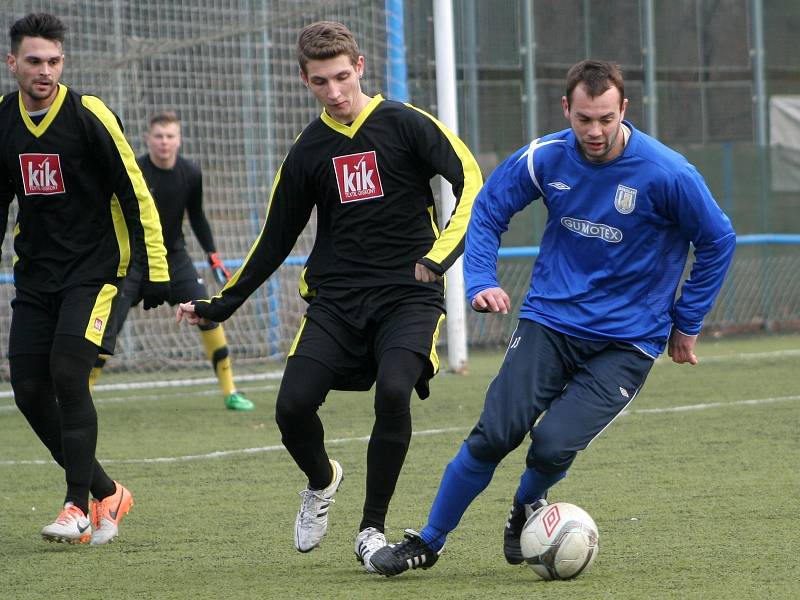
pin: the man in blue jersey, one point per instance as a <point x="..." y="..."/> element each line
<point x="623" y="210"/>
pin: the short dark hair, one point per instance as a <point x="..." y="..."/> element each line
<point x="597" y="76"/>
<point x="165" y="117"/>
<point x="43" y="25"/>
<point x="323" y="40"/>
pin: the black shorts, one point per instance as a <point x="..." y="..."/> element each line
<point x="184" y="282"/>
<point x="86" y="311"/>
<point x="348" y="330"/>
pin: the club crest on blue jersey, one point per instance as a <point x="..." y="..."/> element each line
<point x="625" y="200"/>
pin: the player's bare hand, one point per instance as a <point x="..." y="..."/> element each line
<point x="423" y="273"/>
<point x="492" y="300"/>
<point x="681" y="347"/>
<point x="186" y="311"/>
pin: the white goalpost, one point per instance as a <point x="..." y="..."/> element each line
<point x="448" y="114"/>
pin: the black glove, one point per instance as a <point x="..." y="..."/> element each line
<point x="221" y="273"/>
<point x="154" y="293"/>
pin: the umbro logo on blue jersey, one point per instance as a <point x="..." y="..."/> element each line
<point x="559" y="185"/>
<point x="595" y="230"/>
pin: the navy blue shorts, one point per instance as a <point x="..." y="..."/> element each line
<point x="561" y="390"/>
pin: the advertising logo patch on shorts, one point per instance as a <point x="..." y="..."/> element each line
<point x="98" y="324"/>
<point x="41" y="174"/>
<point x="357" y="176"/>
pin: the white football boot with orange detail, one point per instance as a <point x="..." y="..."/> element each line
<point x="71" y="526"/>
<point x="108" y="512"/>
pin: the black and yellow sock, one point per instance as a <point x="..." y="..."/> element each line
<point x="217" y="351"/>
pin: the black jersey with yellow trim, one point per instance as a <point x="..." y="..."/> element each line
<point x="178" y="191"/>
<point x="376" y="217"/>
<point x="7" y="194"/>
<point x="83" y="203"/>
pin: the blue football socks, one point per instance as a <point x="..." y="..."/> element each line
<point x="464" y="478"/>
<point x="533" y="484"/>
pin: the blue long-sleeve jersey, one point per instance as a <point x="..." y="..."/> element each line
<point x="615" y="243"/>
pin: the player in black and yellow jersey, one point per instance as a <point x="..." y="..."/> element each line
<point x="374" y="279"/>
<point x="176" y="185"/>
<point x="83" y="207"/>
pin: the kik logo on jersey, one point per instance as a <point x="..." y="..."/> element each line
<point x="41" y="174"/>
<point x="357" y="176"/>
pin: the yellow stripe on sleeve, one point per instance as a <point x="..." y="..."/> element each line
<point x="148" y="214"/>
<point x="456" y="229"/>
<point x="253" y="247"/>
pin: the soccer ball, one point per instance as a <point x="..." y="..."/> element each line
<point x="559" y="541"/>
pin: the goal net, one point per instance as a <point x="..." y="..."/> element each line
<point x="229" y="69"/>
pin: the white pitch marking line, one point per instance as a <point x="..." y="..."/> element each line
<point x="222" y="453"/>
<point x="161" y="397"/>
<point x="279" y="447"/>
<point x="169" y="383"/>
<point x="705" y="405"/>
<point x="172" y="383"/>
<point x="664" y="359"/>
